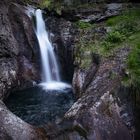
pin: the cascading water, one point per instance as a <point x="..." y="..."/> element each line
<point x="50" y="78"/>
<point x="49" y="64"/>
<point x="34" y="105"/>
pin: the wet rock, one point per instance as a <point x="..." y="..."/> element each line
<point x="19" y="49"/>
<point x="97" y="13"/>
<point x="82" y="79"/>
<point x="17" y="58"/>
<point x="28" y="58"/>
<point x="78" y="81"/>
<point x="8" y="51"/>
<point x="8" y="75"/>
<point x="63" y="39"/>
<point x="13" y="128"/>
<point x="97" y="113"/>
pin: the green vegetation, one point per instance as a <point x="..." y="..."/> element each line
<point x="127" y="27"/>
<point x="114" y="37"/>
<point x="134" y="66"/>
<point x="45" y="3"/>
<point x="52" y="5"/>
<point x="130" y="15"/>
<point x="122" y="30"/>
<point x="83" y="25"/>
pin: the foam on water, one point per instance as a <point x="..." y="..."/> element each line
<point x="55" y="86"/>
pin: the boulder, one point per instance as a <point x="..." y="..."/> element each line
<point x="13" y="128"/>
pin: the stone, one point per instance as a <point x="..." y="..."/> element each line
<point x="63" y="41"/>
<point x="13" y="128"/>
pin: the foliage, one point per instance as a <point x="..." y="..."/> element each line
<point x="52" y="5"/>
<point x="114" y="37"/>
<point x="132" y="79"/>
<point x="45" y="3"/>
<point x="83" y="25"/>
<point x="124" y="30"/>
<point x="130" y="15"/>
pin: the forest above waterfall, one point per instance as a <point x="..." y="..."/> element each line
<point x="91" y="47"/>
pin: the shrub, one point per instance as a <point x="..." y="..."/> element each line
<point x="127" y="28"/>
<point x="134" y="67"/>
<point x="114" y="37"/>
<point x="83" y="25"/>
<point x="52" y="5"/>
<point x="107" y="45"/>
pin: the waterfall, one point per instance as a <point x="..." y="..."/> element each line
<point x="50" y="71"/>
<point x="49" y="64"/>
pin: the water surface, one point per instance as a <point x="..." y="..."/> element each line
<point x="38" y="107"/>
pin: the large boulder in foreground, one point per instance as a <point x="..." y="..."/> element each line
<point x="13" y="128"/>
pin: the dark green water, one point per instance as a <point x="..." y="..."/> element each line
<point x="39" y="107"/>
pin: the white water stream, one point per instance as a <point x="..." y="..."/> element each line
<point x="50" y="71"/>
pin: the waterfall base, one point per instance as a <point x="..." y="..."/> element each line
<point x="55" y="85"/>
<point x="38" y="107"/>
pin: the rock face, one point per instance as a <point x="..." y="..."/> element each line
<point x="18" y="67"/>
<point x="28" y="57"/>
<point x="97" y="114"/>
<point x="13" y="128"/>
<point x="63" y="41"/>
<point x="99" y="13"/>
<point x="8" y="50"/>
<point x="19" y="49"/>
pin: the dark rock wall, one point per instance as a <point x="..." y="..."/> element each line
<point x="63" y="42"/>
<point x="28" y="57"/>
<point x="8" y="52"/>
<point x="19" y="52"/>
<point x="18" y="68"/>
